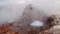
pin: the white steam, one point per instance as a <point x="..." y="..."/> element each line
<point x="37" y="24"/>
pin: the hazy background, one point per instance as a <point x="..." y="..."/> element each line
<point x="11" y="9"/>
